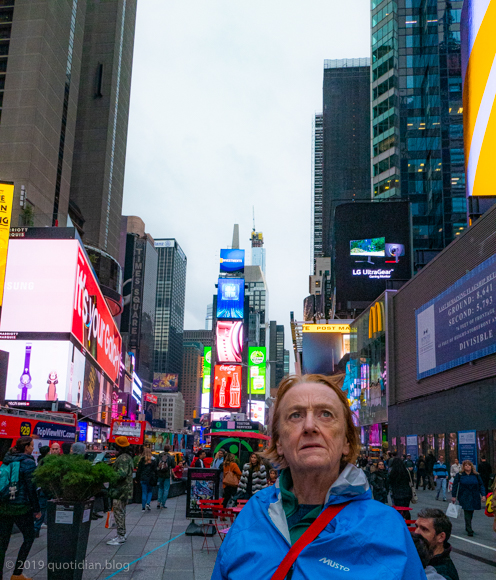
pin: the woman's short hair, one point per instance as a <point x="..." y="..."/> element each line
<point x="351" y="431"/>
<point x="468" y="462"/>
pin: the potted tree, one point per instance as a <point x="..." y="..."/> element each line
<point x="71" y="481"/>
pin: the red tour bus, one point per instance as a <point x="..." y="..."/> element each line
<point x="45" y="427"/>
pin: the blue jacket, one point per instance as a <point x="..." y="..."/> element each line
<point x="469" y="489"/>
<point x="367" y="540"/>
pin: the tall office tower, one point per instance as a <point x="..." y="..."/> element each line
<point x="346" y="159"/>
<point x="102" y="120"/>
<point x="41" y="46"/>
<point x="417" y="143"/>
<point x="317" y="250"/>
<point x="139" y="260"/>
<point x="276" y="354"/>
<point x="65" y="73"/>
<point x="169" y="307"/>
<point x="191" y="378"/>
<point x="258" y="294"/>
<point x="206" y="337"/>
<point x="257" y="250"/>
<point x="286" y="362"/>
<point x="209" y="317"/>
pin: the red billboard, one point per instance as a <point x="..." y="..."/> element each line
<point x="151" y="398"/>
<point x="227" y="386"/>
<point x="50" y="288"/>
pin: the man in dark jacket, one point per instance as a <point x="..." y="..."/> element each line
<point x="19" y="510"/>
<point x="430" y="460"/>
<point x="122" y="490"/>
<point x="485" y="471"/>
<point x="435" y="526"/>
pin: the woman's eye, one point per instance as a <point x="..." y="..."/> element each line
<point x="295" y="415"/>
<point x="326" y="414"/>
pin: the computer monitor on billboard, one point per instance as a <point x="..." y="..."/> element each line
<point x="369" y="247"/>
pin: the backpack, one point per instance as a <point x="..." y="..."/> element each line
<point x="164" y="465"/>
<point x="9" y="481"/>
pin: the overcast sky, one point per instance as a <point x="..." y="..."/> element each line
<point x="223" y="97"/>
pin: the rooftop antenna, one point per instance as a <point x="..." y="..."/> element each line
<point x="254" y="218"/>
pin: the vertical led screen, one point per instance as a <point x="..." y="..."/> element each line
<point x="207" y="369"/>
<point x="257" y="358"/>
<point x="230" y="298"/>
<point x="6" y="200"/>
<point x="227" y="386"/>
<point x="372" y="249"/>
<point x="478" y="50"/>
<point x="229" y="341"/>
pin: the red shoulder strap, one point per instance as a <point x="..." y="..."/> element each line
<point x="307" y="538"/>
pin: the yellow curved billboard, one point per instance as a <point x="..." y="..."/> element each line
<point x="479" y="92"/>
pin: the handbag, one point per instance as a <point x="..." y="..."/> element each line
<point x="110" y="519"/>
<point x="307" y="538"/>
<point x="231" y="479"/>
<point x="454" y="510"/>
<point x="414" y="493"/>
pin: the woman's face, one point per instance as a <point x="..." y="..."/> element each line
<point x="456" y="462"/>
<point x="312" y="429"/>
<point x="253" y="459"/>
<point x="380" y="465"/>
<point x="467" y="468"/>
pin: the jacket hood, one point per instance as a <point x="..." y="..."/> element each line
<point x="12" y="457"/>
<point x="351" y="483"/>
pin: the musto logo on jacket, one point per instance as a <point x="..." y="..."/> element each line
<point x="333" y="564"/>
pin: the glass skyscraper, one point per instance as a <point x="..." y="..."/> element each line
<point x="169" y="307"/>
<point x="417" y="117"/>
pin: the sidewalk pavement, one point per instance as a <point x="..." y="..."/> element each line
<point x="183" y="559"/>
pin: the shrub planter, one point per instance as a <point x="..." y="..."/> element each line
<point x="68" y="531"/>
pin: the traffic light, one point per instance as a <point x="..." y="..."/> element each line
<point x="104" y="415"/>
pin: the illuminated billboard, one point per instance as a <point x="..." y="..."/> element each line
<point x="230" y="298"/>
<point x="44" y="370"/>
<point x="257" y="358"/>
<point x="50" y="288"/>
<point x="478" y="50"/>
<point x="227" y="387"/>
<point x="207" y="368"/>
<point x="165" y="383"/>
<point x="257" y="411"/>
<point x="372" y="250"/>
<point x="232" y="260"/>
<point x="229" y="341"/>
<point x="6" y="201"/>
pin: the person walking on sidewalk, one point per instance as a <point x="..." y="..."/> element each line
<point x="253" y="478"/>
<point x="122" y="491"/>
<point x="164" y="469"/>
<point x="455" y="469"/>
<point x="485" y="471"/>
<point x="440" y="477"/>
<point x="379" y="482"/>
<point x="230" y="481"/>
<point x="399" y="483"/>
<point x="21" y="508"/>
<point x="42" y="498"/>
<point x="469" y="489"/>
<point x="146" y="474"/>
<point x="421" y="472"/>
<point x="430" y="460"/>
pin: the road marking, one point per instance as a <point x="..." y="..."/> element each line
<point x="472" y="542"/>
<point x="145" y="555"/>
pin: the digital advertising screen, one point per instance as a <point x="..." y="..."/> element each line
<point x="227" y="386"/>
<point x="50" y="288"/>
<point x="39" y="370"/>
<point x="165" y="383"/>
<point x="232" y="260"/>
<point x="257" y="357"/>
<point x="207" y="368"/>
<point x="229" y="341"/>
<point x="257" y="412"/>
<point x="230" y="298"/>
<point x="372" y="247"/>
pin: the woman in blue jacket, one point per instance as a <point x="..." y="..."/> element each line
<point x="315" y="443"/>
<point x="469" y="489"/>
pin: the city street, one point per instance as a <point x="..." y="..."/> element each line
<point x="157" y="547"/>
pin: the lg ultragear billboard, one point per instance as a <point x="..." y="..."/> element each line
<point x="372" y="247"/>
